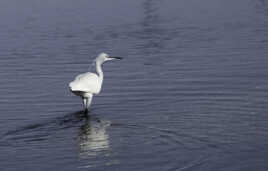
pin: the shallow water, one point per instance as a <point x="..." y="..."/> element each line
<point x="190" y="94"/>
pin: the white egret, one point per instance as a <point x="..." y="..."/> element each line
<point x="87" y="84"/>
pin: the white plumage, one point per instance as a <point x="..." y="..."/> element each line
<point x="87" y="84"/>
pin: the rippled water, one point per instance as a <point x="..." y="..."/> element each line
<point x="190" y="94"/>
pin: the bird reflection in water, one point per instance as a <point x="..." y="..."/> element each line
<point x="93" y="137"/>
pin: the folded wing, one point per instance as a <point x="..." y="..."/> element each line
<point x="86" y="82"/>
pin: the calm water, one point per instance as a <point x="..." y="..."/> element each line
<point x="190" y="94"/>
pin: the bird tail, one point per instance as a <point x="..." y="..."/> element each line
<point x="71" y="86"/>
<point x="75" y="87"/>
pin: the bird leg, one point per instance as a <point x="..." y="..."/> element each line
<point x="85" y="104"/>
<point x="88" y="101"/>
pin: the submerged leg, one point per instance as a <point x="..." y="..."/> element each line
<point x="84" y="103"/>
<point x="88" y="101"/>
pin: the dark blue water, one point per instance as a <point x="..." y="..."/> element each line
<point x="190" y="94"/>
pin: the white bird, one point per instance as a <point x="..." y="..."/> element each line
<point x="87" y="84"/>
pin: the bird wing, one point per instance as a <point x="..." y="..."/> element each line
<point x="86" y="82"/>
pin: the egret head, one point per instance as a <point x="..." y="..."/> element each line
<point x="102" y="57"/>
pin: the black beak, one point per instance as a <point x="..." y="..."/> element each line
<point x="115" y="57"/>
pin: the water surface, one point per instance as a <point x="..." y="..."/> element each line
<point x="190" y="94"/>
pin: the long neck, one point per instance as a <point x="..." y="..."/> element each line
<point x="99" y="70"/>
